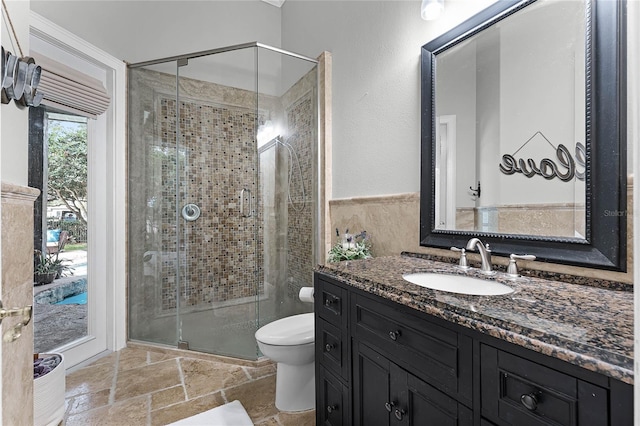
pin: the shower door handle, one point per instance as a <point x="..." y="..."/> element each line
<point x="245" y="200"/>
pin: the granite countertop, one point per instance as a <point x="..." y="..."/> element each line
<point x="587" y="326"/>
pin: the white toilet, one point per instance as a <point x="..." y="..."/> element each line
<point x="289" y="342"/>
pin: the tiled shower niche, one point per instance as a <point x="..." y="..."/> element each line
<point x="226" y="260"/>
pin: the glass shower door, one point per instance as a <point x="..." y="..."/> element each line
<point x="287" y="142"/>
<point x="217" y="214"/>
<point x="153" y="160"/>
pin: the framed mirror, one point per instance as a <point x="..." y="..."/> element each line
<point x="524" y="132"/>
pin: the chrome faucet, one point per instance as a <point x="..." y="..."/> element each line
<point x="485" y="254"/>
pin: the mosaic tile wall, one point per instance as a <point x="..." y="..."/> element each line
<point x="301" y="206"/>
<point x="217" y="161"/>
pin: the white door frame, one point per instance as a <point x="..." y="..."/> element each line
<point x="446" y="172"/>
<point x="106" y="272"/>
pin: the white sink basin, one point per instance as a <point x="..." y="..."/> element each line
<point x="458" y="284"/>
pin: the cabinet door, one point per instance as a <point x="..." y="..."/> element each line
<point x="386" y="394"/>
<point x="371" y="403"/>
<point x="418" y="403"/>
<point x="332" y="407"/>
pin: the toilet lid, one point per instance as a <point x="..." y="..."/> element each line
<point x="288" y="331"/>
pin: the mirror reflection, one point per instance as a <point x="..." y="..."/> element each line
<point x="510" y="125"/>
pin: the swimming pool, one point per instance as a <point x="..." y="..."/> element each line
<point x="78" y="299"/>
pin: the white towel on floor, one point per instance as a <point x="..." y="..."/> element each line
<point x="231" y="414"/>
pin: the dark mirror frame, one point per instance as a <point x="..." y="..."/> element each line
<point x="606" y="145"/>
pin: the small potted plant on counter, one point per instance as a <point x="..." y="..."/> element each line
<point x="351" y="247"/>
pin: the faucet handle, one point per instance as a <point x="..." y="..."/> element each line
<point x="512" y="269"/>
<point x="522" y="256"/>
<point x="463" y="257"/>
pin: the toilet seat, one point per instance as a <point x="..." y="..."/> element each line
<point x="288" y="331"/>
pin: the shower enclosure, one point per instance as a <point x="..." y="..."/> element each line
<point x="223" y="195"/>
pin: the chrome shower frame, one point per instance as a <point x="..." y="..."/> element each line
<point x="182" y="58"/>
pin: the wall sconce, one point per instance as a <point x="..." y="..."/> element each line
<point x="431" y="9"/>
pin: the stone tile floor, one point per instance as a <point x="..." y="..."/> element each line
<point x="148" y="386"/>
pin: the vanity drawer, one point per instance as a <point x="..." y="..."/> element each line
<point x="436" y="354"/>
<point x="332" y="348"/>
<point x="331" y="302"/>
<point x="332" y="401"/>
<point x="518" y="391"/>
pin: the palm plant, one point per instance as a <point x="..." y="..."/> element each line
<point x="47" y="267"/>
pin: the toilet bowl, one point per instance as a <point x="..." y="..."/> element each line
<point x="290" y="343"/>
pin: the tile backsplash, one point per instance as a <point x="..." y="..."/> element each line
<point x="393" y="222"/>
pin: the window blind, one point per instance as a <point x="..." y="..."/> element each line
<point x="69" y="89"/>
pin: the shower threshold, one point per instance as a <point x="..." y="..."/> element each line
<point x="172" y="350"/>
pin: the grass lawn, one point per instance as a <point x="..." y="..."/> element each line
<point x="73" y="247"/>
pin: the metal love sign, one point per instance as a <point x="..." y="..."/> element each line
<point x="565" y="169"/>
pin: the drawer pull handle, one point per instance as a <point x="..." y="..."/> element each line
<point x="329" y="302"/>
<point x="331" y="408"/>
<point x="399" y="414"/>
<point x="389" y="406"/>
<point x="328" y="347"/>
<point x="393" y="335"/>
<point x="530" y="401"/>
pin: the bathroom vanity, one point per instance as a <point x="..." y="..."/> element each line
<point x="391" y="352"/>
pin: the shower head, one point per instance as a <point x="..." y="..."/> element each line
<point x="294" y="162"/>
<point x="284" y="140"/>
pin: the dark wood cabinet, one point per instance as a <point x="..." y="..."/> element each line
<point x="386" y="394"/>
<point x="371" y="387"/>
<point x="381" y="363"/>
<point x="332" y="348"/>
<point x="425" y="405"/>
<point x="332" y="400"/>
<point x="332" y="351"/>
<point x="440" y="355"/>
<point x="518" y="391"/>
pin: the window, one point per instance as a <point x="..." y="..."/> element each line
<point x="58" y="166"/>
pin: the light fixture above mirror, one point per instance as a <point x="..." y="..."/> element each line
<point x="431" y="9"/>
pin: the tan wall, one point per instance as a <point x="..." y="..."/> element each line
<point x="394" y="225"/>
<point x="560" y="220"/>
